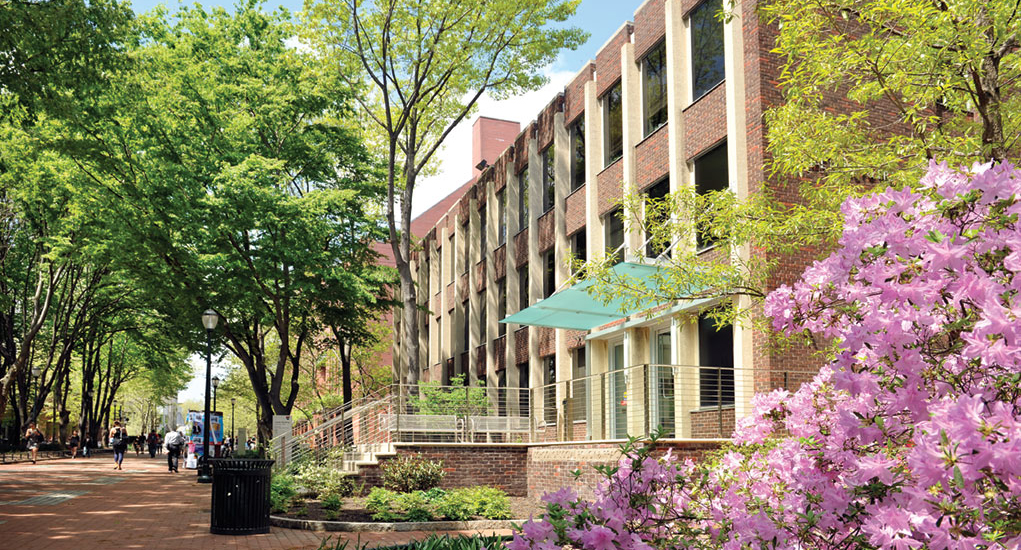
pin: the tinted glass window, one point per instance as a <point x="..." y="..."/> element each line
<point x="548" y="178"/>
<point x="706" y="47"/>
<point x="578" y="154"/>
<point x="655" y="216"/>
<point x="710" y="175"/>
<point x="654" y="88"/>
<point x="523" y="199"/>
<point x="715" y="349"/>
<point x="613" y="126"/>
<point x="615" y="234"/>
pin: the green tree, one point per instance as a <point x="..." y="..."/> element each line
<point x="237" y="184"/>
<point x="420" y="68"/>
<point x="873" y="91"/>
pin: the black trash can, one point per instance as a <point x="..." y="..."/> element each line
<point x="240" y="496"/>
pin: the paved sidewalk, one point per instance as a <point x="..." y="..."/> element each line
<point x="84" y="504"/>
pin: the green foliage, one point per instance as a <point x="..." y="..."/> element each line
<point x="332" y="502"/>
<point x="324" y="480"/>
<point x="458" y="399"/>
<point x="412" y="473"/>
<point x="433" y="542"/>
<point x="281" y="492"/>
<point x="456" y="504"/>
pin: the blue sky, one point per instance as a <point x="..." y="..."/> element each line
<point x="599" y="17"/>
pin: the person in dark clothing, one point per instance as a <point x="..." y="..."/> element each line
<point x="73" y="444"/>
<point x="119" y="442"/>
<point x="154" y="442"/>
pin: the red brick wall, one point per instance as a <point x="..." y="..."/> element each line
<point x="547" y="235"/>
<point x="708" y="424"/>
<point x="500" y="262"/>
<point x="521" y="147"/>
<point x="467" y="465"/>
<point x="544" y="122"/>
<point x="574" y="94"/>
<point x="450" y="297"/>
<point x="653" y="158"/>
<point x="499" y="352"/>
<point x="462" y="287"/>
<point x="546" y="475"/>
<point x="521" y="248"/>
<point x="520" y="346"/>
<point x="480" y="276"/>
<point x="608" y="60"/>
<point x="705" y="122"/>
<point x="547" y="341"/>
<point x="650" y="26"/>
<point x="610" y="185"/>
<point x="574" y="211"/>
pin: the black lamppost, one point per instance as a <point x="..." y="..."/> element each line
<point x="209" y="319"/>
<point x="233" y="401"/>
<point x="216" y="384"/>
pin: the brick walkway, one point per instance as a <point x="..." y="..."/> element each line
<point x="84" y="504"/>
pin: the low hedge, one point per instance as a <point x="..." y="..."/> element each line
<point x="455" y="504"/>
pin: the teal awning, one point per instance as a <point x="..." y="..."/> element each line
<point x="575" y="309"/>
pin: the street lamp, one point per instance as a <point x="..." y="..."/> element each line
<point x="232" y="403"/>
<point x="209" y="319"/>
<point x="216" y="383"/>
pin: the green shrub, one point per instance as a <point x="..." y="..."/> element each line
<point x="412" y="473"/>
<point x="281" y="491"/>
<point x="456" y="505"/>
<point x="388" y="505"/>
<point x="434" y="542"/>
<point x="332" y="502"/>
<point x="323" y="479"/>
<point x="331" y="514"/>
<point x="489" y="502"/>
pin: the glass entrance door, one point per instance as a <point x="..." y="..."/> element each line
<point x="662" y="381"/>
<point x="618" y="392"/>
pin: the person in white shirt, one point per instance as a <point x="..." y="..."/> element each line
<point x="174" y="441"/>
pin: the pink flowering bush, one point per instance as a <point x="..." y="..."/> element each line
<point x="909" y="438"/>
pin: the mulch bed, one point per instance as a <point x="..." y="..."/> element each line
<point x="353" y="509"/>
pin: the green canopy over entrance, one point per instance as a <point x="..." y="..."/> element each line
<point x="575" y="309"/>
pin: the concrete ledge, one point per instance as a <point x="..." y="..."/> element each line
<point x="361" y="527"/>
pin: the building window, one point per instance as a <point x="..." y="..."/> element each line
<point x="655" y="217"/>
<point x="580" y="385"/>
<point x="501" y="305"/>
<point x="549" y="284"/>
<point x="464" y="325"/>
<point x="578" y="153"/>
<point x="613" y="126"/>
<point x="482" y="232"/>
<point x="483" y="334"/>
<point x="549" y="390"/>
<point x="716" y="351"/>
<point x="523" y="382"/>
<point x="614" y="224"/>
<point x="522" y="288"/>
<point x="654" y="89"/>
<point x="523" y="199"/>
<point x="579" y="246"/>
<point x="501" y="392"/>
<point x="501" y="217"/>
<point x="706" y="47"/>
<point x="710" y="175"/>
<point x="452" y="256"/>
<point x="549" y="178"/>
<point x="466" y="246"/>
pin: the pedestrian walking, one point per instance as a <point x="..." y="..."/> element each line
<point x="174" y="441"/>
<point x="34" y="437"/>
<point x="73" y="444"/>
<point x="139" y="444"/>
<point x="119" y="442"/>
<point x="87" y="447"/>
<point x="154" y="442"/>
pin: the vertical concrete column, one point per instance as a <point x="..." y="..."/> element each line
<point x="476" y="330"/>
<point x="446" y="319"/>
<point x="511" y="193"/>
<point x="686" y="374"/>
<point x="562" y="178"/>
<point x="492" y="322"/>
<point x="535" y="272"/>
<point x="422" y="274"/>
<point x="595" y="235"/>
<point x="631" y="114"/>
<point x="678" y="93"/>
<point x="737" y="166"/>
<point x="637" y="353"/>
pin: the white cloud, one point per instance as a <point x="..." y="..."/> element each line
<point x="455" y="157"/>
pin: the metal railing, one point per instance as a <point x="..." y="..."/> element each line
<point x="682" y="401"/>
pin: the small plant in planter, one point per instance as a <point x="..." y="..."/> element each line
<point x="332" y="502"/>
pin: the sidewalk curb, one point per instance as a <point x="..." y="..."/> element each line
<point x="378" y="527"/>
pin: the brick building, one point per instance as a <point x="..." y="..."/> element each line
<point x="674" y="98"/>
